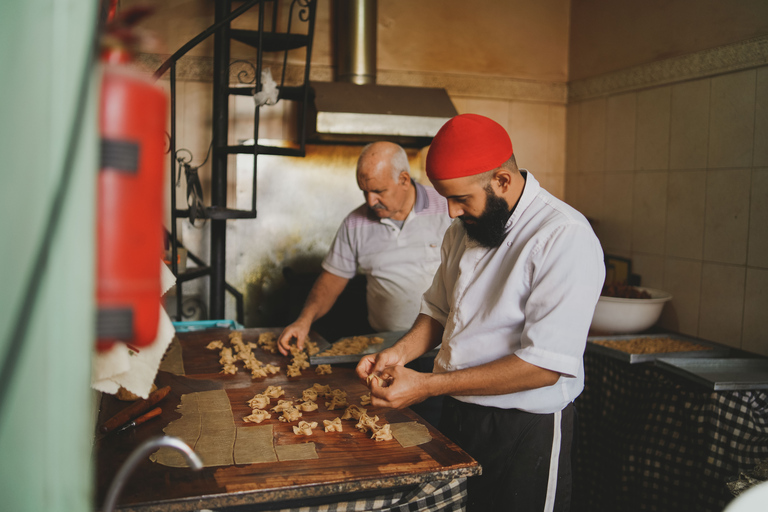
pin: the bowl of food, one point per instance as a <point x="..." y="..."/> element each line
<point x="628" y="309"/>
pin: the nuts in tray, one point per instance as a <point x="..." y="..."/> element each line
<point x="353" y="345"/>
<point x="652" y="345"/>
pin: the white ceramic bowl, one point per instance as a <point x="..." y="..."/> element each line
<point x="614" y="315"/>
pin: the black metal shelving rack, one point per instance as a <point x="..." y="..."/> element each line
<point x="266" y="40"/>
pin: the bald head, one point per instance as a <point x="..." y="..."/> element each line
<point x="381" y="157"/>
<point x="383" y="176"/>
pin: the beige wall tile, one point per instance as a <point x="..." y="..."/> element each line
<point x="760" y="158"/>
<point x="528" y="127"/>
<point x="572" y="124"/>
<point x="726" y="225"/>
<point x="552" y="183"/>
<point x="652" y="144"/>
<point x="584" y="191"/>
<point x="755" y="338"/>
<point x="615" y="227"/>
<point x="592" y="136"/>
<point x="689" y="125"/>
<point x="682" y="278"/>
<point x="722" y="303"/>
<point x="686" y="194"/>
<point x="620" y="133"/>
<point x="650" y="268"/>
<point x="758" y="220"/>
<point x="732" y="120"/>
<point x="649" y="211"/>
<point x="498" y="110"/>
<point x="556" y="140"/>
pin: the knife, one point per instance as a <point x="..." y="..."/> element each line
<point x="135" y="409"/>
<point x="141" y="419"/>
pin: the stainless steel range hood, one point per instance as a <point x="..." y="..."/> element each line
<point x="348" y="112"/>
<point x="356" y="110"/>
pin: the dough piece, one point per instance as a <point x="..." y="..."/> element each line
<point x="293" y="371"/>
<point x="282" y="405"/>
<point x="268" y="342"/>
<point x="226" y="356"/>
<point x="257" y="416"/>
<point x="367" y="423"/>
<point x="229" y="369"/>
<point x="337" y="402"/>
<point x="372" y="376"/>
<point x="274" y="391"/>
<point x="320" y="389"/>
<point x="308" y="406"/>
<point x="311" y="347"/>
<point x="365" y="399"/>
<point x="353" y="412"/>
<point x="323" y="369"/>
<point x="259" y="401"/>
<point x="235" y="335"/>
<point x="382" y="433"/>
<point x="304" y="428"/>
<point x="290" y="415"/>
<point x="259" y="373"/>
<point x="336" y="393"/>
<point x="309" y="394"/>
<point x="214" y="345"/>
<point x="333" y="426"/>
<point x="272" y="369"/>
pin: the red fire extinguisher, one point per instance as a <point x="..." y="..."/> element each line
<point x="132" y="123"/>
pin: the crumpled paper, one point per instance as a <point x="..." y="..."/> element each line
<point x="269" y="90"/>
<point x="135" y="371"/>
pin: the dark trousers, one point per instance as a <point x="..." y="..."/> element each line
<point x="515" y="451"/>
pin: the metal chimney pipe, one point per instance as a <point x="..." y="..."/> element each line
<point x="356" y="41"/>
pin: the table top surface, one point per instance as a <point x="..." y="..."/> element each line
<point x="348" y="462"/>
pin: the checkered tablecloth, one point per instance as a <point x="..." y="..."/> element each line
<point x="651" y="440"/>
<point x="447" y="496"/>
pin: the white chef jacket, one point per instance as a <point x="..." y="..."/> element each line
<point x="398" y="262"/>
<point x="533" y="296"/>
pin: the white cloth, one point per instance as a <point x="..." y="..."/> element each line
<point x="135" y="371"/>
<point x="398" y="262"/>
<point x="533" y="296"/>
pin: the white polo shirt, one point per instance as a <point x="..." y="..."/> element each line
<point x="398" y="263"/>
<point x="533" y="296"/>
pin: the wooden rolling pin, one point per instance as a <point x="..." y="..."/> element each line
<point x="137" y="408"/>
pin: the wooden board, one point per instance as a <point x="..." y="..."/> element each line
<point x="348" y="462"/>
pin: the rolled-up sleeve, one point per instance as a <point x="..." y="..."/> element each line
<point x="566" y="272"/>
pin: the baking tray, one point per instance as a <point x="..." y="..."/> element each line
<point x="390" y="338"/>
<point x="716" y="350"/>
<point x="720" y="374"/>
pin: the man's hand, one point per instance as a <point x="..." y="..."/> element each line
<point x="401" y="388"/>
<point x="298" y="330"/>
<point x="374" y="364"/>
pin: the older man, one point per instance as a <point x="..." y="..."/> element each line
<point x="394" y="239"/>
<point x="512" y="303"/>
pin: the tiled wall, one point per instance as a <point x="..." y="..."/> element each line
<point x="675" y="177"/>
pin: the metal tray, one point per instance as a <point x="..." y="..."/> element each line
<point x="716" y="350"/>
<point x="390" y="338"/>
<point x="720" y="374"/>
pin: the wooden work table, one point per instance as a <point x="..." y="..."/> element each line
<point x="348" y="463"/>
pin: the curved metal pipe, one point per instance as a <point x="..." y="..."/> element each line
<point x="138" y="455"/>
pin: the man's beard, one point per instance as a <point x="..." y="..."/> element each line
<point x="488" y="229"/>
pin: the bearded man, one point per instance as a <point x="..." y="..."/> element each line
<point x="511" y="303"/>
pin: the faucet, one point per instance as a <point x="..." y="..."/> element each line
<point x="138" y="455"/>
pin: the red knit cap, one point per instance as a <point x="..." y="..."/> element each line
<point x="466" y="145"/>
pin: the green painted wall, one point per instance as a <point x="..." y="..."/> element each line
<point x="46" y="422"/>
